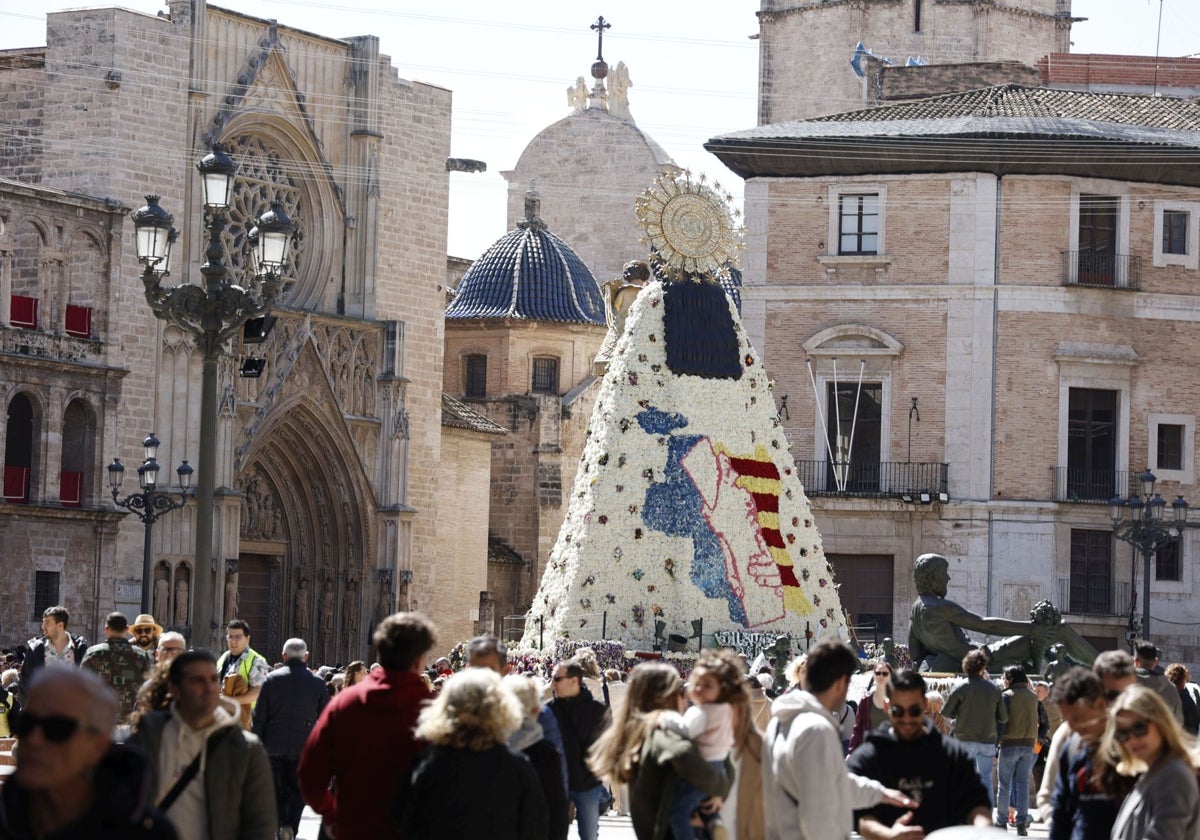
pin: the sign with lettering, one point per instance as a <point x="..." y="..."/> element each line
<point x="747" y="641"/>
<point x="129" y="591"/>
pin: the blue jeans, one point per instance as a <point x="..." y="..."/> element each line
<point x="983" y="755"/>
<point x="686" y="800"/>
<point x="587" y="811"/>
<point x="1016" y="764"/>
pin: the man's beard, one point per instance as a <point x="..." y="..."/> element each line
<point x="145" y="644"/>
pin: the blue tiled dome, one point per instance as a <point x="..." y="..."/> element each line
<point x="529" y="273"/>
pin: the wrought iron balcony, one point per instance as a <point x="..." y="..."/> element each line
<point x="1094" y="597"/>
<point x="914" y="482"/>
<point x="1102" y="270"/>
<point x="1072" y="484"/>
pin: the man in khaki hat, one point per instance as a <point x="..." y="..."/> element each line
<point x="145" y="633"/>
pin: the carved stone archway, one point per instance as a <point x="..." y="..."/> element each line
<point x="303" y="469"/>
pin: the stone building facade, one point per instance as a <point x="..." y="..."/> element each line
<point x="805" y="46"/>
<point x="329" y="466"/>
<point x="1018" y="326"/>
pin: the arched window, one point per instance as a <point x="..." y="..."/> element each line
<point x="85" y="272"/>
<point x="77" y="449"/>
<point x="26" y="298"/>
<point x="18" y="450"/>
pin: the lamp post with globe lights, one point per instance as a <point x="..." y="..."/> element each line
<point x="151" y="503"/>
<point x="1146" y="529"/>
<point x="211" y="312"/>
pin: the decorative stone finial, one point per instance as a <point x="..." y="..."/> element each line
<point x="533" y="208"/>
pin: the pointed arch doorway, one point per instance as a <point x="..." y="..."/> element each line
<point x="307" y="533"/>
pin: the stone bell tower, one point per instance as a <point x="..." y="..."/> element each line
<point x="806" y="46"/>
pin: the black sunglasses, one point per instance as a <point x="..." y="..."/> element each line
<point x="56" y="728"/>
<point x="915" y="710"/>
<point x="1138" y="730"/>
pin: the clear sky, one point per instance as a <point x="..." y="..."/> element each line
<point x="692" y="63"/>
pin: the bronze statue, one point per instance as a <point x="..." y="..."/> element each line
<point x="937" y="638"/>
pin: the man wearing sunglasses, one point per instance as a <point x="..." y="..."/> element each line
<point x="56" y="647"/>
<point x="1079" y="807"/>
<point x="913" y="757"/>
<point x="71" y="780"/>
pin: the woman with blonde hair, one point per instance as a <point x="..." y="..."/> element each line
<point x="530" y="740"/>
<point x="1142" y="739"/>
<point x="652" y="760"/>
<point x="469" y="784"/>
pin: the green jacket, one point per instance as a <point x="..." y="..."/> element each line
<point x="239" y="788"/>
<point x="976" y="707"/>
<point x="666" y="758"/>
<point x="1021" y="730"/>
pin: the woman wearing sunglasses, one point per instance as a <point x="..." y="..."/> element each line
<point x="1143" y="740"/>
<point x="872" y="708"/>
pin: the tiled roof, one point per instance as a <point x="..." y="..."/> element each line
<point x="498" y="551"/>
<point x="1019" y="101"/>
<point x="529" y="273"/>
<point x="1013" y="128"/>
<point x="456" y="415"/>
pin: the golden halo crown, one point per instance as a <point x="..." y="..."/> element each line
<point x="689" y="226"/>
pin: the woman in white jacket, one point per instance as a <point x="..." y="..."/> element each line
<point x="807" y="791"/>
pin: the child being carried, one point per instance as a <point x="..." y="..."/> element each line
<point x="715" y="683"/>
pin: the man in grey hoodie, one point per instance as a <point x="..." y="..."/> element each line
<point x="807" y="792"/>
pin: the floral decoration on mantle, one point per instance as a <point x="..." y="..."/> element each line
<point x="686" y="506"/>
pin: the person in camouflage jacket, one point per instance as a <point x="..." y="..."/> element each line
<point x="122" y="666"/>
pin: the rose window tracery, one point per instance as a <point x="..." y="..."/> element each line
<point x="264" y="176"/>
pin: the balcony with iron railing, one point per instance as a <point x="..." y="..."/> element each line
<point x="1095" y="597"/>
<point x="1102" y="270"/>
<point x="1073" y="484"/>
<point x="909" y="481"/>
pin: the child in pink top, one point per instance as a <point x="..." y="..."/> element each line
<point x="714" y="683"/>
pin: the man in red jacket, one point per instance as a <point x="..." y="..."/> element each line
<point x="363" y="743"/>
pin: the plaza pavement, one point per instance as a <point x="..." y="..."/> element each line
<point x="612" y="827"/>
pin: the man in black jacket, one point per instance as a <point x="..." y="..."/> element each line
<point x="57" y="647"/>
<point x="581" y="718"/>
<point x="913" y="757"/>
<point x="289" y="704"/>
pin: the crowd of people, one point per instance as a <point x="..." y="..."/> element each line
<point x="141" y="737"/>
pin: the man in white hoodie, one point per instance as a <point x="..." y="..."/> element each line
<point x="807" y="792"/>
<point x="211" y="777"/>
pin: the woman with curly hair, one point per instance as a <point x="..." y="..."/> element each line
<point x="469" y="784"/>
<point x="154" y="695"/>
<point x="651" y="759"/>
<point x="1143" y="740"/>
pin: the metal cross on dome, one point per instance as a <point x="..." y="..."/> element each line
<point x="598" y="27"/>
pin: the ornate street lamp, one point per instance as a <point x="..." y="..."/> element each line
<point x="1146" y="530"/>
<point x="210" y="313"/>
<point x="150" y="503"/>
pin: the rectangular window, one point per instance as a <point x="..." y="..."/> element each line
<point x="1091" y="572"/>
<point x="1170" y="446"/>
<point x="475" y="376"/>
<point x="1098" y="240"/>
<point x="1168" y="563"/>
<point x="856" y="442"/>
<point x="858" y="224"/>
<point x="45" y="592"/>
<point x="1174" y="232"/>
<point x="545" y="375"/>
<point x="1092" y="445"/>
